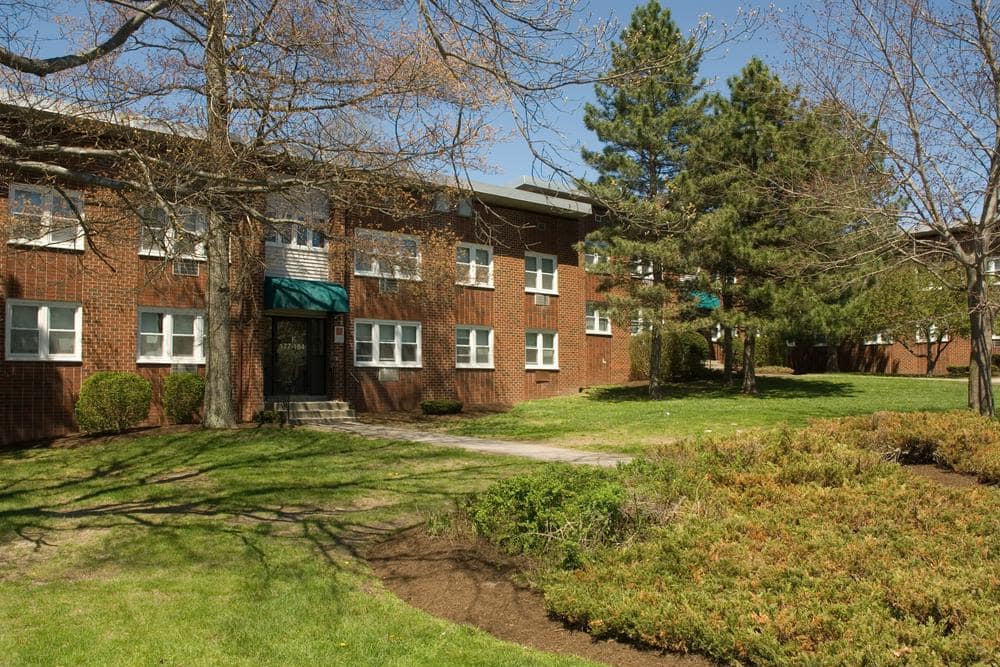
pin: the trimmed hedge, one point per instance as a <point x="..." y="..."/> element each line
<point x="183" y="394"/>
<point x="113" y="401"/>
<point x="441" y="406"/>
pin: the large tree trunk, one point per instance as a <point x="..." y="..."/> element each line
<point x="749" y="365"/>
<point x="219" y="381"/>
<point x="655" y="362"/>
<point x="981" y="335"/>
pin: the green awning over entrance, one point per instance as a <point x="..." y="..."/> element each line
<point x="705" y="300"/>
<point x="294" y="294"/>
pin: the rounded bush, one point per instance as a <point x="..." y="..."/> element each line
<point x="113" y="401"/>
<point x="682" y="354"/>
<point x="182" y="396"/>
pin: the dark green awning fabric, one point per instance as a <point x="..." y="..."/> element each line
<point x="705" y="300"/>
<point x="293" y="294"/>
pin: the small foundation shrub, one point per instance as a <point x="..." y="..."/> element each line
<point x="441" y="406"/>
<point x="113" y="401"/>
<point x="183" y="394"/>
<point x="262" y="417"/>
<point x="682" y="354"/>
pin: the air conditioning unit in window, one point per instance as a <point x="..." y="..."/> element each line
<point x="388" y="286"/>
<point x="185" y="267"/>
<point x="541" y="299"/>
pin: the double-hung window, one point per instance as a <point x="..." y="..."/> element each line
<point x="541" y="350"/>
<point x="595" y="257"/>
<point x="43" y="331"/>
<point x="310" y="212"/>
<point x="598" y="321"/>
<point x="880" y="338"/>
<point x="44" y="216"/>
<point x="642" y="268"/>
<point x="386" y="343"/>
<point x="473" y="347"/>
<point x="933" y="333"/>
<point x="540" y="273"/>
<point x="171" y="336"/>
<point x="474" y="265"/>
<point x="176" y="233"/>
<point x="386" y="255"/>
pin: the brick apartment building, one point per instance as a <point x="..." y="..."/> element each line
<point x="489" y="303"/>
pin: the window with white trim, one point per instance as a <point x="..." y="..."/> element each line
<point x="387" y="343"/>
<point x="474" y="265"/>
<point x="993" y="266"/>
<point x="718" y="333"/>
<point x="312" y="211"/>
<point x="642" y="268"/>
<point x="595" y="256"/>
<point x="43" y="331"/>
<point x="541" y="350"/>
<point x="880" y="338"/>
<point x="386" y="255"/>
<point x="473" y="347"/>
<point x="598" y="321"/>
<point x="177" y="233"/>
<point x="933" y="332"/>
<point x="540" y="273"/>
<point x="44" y="216"/>
<point x="171" y="336"/>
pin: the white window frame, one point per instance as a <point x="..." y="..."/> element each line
<point x="593" y="258"/>
<point x="171" y="232"/>
<point x="168" y="356"/>
<point x="472" y="347"/>
<point x="42" y="323"/>
<point x="718" y="333"/>
<point x="397" y="343"/>
<point x="311" y="209"/>
<point x="880" y="338"/>
<point x="538" y="273"/>
<point x="595" y="313"/>
<point x="470" y="277"/>
<point x="48" y="198"/>
<point x="642" y="269"/>
<point x="388" y="238"/>
<point x="935" y="336"/>
<point x="554" y="366"/>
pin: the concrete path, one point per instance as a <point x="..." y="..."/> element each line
<point x="530" y="450"/>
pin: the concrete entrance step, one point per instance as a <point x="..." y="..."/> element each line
<point x="313" y="412"/>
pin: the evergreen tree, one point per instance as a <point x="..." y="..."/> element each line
<point x="770" y="239"/>
<point x="645" y="112"/>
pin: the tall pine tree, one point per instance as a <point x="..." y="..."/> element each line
<point x="647" y="107"/>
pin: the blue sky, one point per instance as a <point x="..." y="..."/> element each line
<point x="514" y="159"/>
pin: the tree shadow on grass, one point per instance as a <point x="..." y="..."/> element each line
<point x="330" y="493"/>
<point x="770" y="388"/>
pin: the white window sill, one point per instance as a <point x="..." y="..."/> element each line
<point x="606" y="334"/>
<point x="541" y="368"/>
<point x="533" y="290"/>
<point x="473" y="367"/>
<point x="159" y="361"/>
<point x="476" y="285"/>
<point x="373" y="364"/>
<point x="303" y="248"/>
<point x="159" y="254"/>
<point x="76" y="247"/>
<point x="415" y="279"/>
<point x="71" y="358"/>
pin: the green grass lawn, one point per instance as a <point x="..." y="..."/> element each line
<point x="624" y="419"/>
<point x="226" y="548"/>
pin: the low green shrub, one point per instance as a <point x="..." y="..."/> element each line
<point x="441" y="406"/>
<point x="557" y="512"/>
<point x="183" y="394"/>
<point x="113" y="401"/>
<point x="278" y="417"/>
<point x="958" y="371"/>
<point x="682" y="354"/>
<point x="775" y="370"/>
<point x="961" y="440"/>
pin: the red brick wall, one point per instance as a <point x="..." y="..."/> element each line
<point x="892" y="359"/>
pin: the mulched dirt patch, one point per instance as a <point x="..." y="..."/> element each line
<point x="470" y="582"/>
<point x="943" y="476"/>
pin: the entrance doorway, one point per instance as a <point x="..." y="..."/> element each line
<point x="294" y="353"/>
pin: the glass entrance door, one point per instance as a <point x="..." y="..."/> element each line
<point x="295" y="357"/>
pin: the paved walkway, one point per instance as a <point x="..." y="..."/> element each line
<point x="530" y="450"/>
